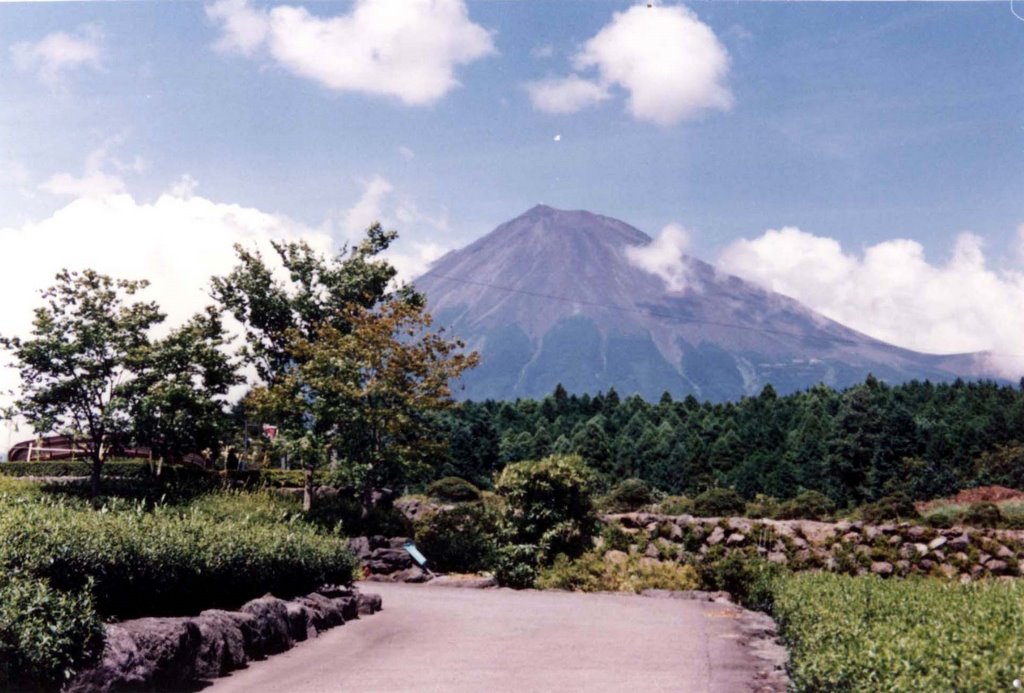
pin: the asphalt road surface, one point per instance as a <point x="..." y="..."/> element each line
<point x="451" y="639"/>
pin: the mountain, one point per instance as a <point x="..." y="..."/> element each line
<point x="552" y="297"/>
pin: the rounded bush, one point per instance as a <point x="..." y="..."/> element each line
<point x="628" y="495"/>
<point x="453" y="489"/>
<point x="459" y="540"/>
<point x="516" y="566"/>
<point x="983" y="514"/>
<point x="809" y="505"/>
<point x="897" y="507"/>
<point x="718" y="502"/>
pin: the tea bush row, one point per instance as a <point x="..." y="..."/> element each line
<point x="866" y="634"/>
<point x="168" y="561"/>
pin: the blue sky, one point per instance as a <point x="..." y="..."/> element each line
<point x="869" y="136"/>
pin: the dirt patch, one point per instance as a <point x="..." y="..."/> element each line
<point x="991" y="494"/>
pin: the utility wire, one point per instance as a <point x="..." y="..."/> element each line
<point x="677" y="318"/>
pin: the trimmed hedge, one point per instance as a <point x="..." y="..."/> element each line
<point x="129" y="469"/>
<point x="453" y="488"/>
<point x="168" y="561"/>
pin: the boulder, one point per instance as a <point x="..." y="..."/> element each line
<point x="378" y="542"/>
<point x="651" y="551"/>
<point x="883" y="568"/>
<point x="960" y="543"/>
<point x="895" y="540"/>
<point x="716" y="537"/>
<point x="1005" y="553"/>
<point x="916" y="532"/>
<point x="300" y="621"/>
<point x="948" y="570"/>
<point x="997" y="567"/>
<point x="228" y="640"/>
<point x="736" y="539"/>
<point x="415" y="508"/>
<point x="648" y="562"/>
<point x="674" y="532"/>
<point x="369" y="603"/>
<point x="921" y="549"/>
<point x="323" y="612"/>
<point x="937" y="542"/>
<point x="273" y="634"/>
<point x="399" y="542"/>
<point x="144" y="653"/>
<point x="387" y="560"/>
<point x="777" y="557"/>
<point x="926" y="564"/>
<point x="851" y="537"/>
<point x="842" y="527"/>
<point x="616" y="557"/>
<point x="360" y="546"/>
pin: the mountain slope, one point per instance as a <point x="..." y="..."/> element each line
<point x="551" y="297"/>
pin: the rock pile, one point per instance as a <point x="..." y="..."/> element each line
<point x="172" y="653"/>
<point x="848" y="547"/>
<point x="385" y="560"/>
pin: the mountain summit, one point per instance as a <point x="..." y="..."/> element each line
<point x="558" y="296"/>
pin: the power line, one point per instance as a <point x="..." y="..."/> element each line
<point x="677" y="318"/>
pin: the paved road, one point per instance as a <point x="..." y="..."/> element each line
<point x="450" y="639"/>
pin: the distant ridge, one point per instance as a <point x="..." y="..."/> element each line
<point x="551" y="297"/>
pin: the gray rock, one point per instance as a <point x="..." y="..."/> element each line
<point x="369" y="603"/>
<point x="883" y="568"/>
<point x="387" y="560"/>
<point x="324" y="612"/>
<point x="778" y="557"/>
<point x="997" y="567"/>
<point x="144" y="653"/>
<point x="272" y="630"/>
<point x="300" y="622"/>
<point x="895" y="540"/>
<point x="228" y="641"/>
<point x="1005" y="553"/>
<point x="937" y="542"/>
<point x="916" y="532"/>
<point x="921" y="549"/>
<point x="960" y="543"/>
<point x="360" y="546"/>
<point x="651" y="551"/>
<point x="399" y="542"/>
<point x="736" y="539"/>
<point x="851" y="537"/>
<point x="716" y="537"/>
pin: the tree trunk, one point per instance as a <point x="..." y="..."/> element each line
<point x="307" y="488"/>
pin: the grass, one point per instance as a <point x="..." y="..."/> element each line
<point x="865" y="634"/>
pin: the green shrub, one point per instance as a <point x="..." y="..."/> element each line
<point x="628" y="495"/>
<point x="866" y="634"/>
<point x="983" y="514"/>
<point x="762" y="506"/>
<point x="45" y="635"/>
<point x="616" y="538"/>
<point x="592" y="572"/>
<point x="897" y="507"/>
<point x="453" y="489"/>
<point x="343" y="513"/>
<point x="169" y="561"/>
<point x="549" y="504"/>
<point x="462" y="540"/>
<point x="676" y="505"/>
<point x="516" y="566"/>
<point x="718" y="502"/>
<point x="748" y="578"/>
<point x="130" y="469"/>
<point x="809" y="505"/>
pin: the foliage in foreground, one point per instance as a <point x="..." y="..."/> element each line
<point x="461" y="540"/>
<point x="46" y="635"/>
<point x="171" y="560"/>
<point x="866" y="634"/>
<point x="593" y="572"/>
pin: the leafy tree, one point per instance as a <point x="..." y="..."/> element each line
<point x="351" y="371"/>
<point x="178" y="395"/>
<point x="88" y="344"/>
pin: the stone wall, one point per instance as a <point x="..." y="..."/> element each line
<point x="849" y="547"/>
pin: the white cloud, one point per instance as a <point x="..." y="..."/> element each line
<point x="893" y="293"/>
<point x="670" y="64"/>
<point x="408" y="50"/>
<point x="13" y="172"/>
<point x="665" y="257"/>
<point x="565" y="94"/>
<point x="368" y="208"/>
<point x="1020" y="244"/>
<point x="57" y="54"/>
<point x="94" y="181"/>
<point x="406" y="153"/>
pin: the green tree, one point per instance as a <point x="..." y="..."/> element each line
<point x="87" y="344"/>
<point x="351" y="370"/>
<point x="178" y="396"/>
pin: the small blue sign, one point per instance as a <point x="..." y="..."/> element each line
<point x="416" y="555"/>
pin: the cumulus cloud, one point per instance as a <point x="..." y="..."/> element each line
<point x="408" y="50"/>
<point x="892" y="292"/>
<point x="670" y="64"/>
<point x="378" y="204"/>
<point x="96" y="180"/>
<point x="566" y="94"/>
<point x="665" y="257"/>
<point x="57" y="54"/>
